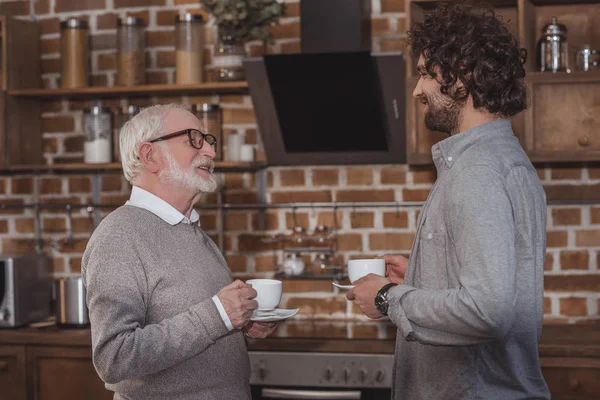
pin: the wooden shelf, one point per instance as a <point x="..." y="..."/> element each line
<point x="81" y="168"/>
<point x="133" y="91"/>
<point x="562" y="77"/>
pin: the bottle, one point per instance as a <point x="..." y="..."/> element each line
<point x="74" y="53"/>
<point x="130" y="51"/>
<point x="124" y="114"/>
<point x="97" y="125"/>
<point x="210" y="118"/>
<point x="189" y="46"/>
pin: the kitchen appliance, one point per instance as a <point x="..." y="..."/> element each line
<point x="335" y="102"/>
<point x="320" y="376"/>
<point x="25" y="289"/>
<point x="586" y="58"/>
<point x="552" y="48"/>
<point x="71" y="308"/>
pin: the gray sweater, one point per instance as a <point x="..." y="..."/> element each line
<point x="470" y="310"/>
<point x="156" y="333"/>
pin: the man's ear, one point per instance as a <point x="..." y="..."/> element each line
<point x="149" y="156"/>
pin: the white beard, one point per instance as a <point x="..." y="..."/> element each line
<point x="189" y="179"/>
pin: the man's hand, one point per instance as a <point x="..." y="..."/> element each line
<point x="364" y="292"/>
<point x="259" y="330"/>
<point x="237" y="302"/>
<point x="395" y="267"/>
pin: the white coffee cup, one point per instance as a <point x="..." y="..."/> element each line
<point x="269" y="293"/>
<point x="359" y="268"/>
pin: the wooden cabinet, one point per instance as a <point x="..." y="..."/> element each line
<point x="562" y="123"/>
<point x="12" y="373"/>
<point x="572" y="378"/>
<point x="58" y="373"/>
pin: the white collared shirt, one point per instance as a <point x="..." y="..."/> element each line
<point x="157" y="206"/>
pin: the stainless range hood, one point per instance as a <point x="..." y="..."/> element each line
<point x="323" y="106"/>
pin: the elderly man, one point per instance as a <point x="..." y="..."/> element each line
<point x="469" y="310"/>
<point x="166" y="320"/>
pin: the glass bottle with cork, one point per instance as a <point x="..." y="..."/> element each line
<point x="130" y="53"/>
<point x="189" y="45"/>
<point x="74" y="53"/>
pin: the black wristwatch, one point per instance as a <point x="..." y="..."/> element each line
<point x="381" y="302"/>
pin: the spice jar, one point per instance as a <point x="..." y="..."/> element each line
<point x="130" y="55"/>
<point x="123" y="115"/>
<point x="74" y="53"/>
<point x="210" y="118"/>
<point x="189" y="46"/>
<point x="97" y="125"/>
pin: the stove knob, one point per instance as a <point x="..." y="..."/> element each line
<point x="262" y="372"/>
<point x="380" y="376"/>
<point x="346" y="374"/>
<point x="328" y="374"/>
<point x="363" y="374"/>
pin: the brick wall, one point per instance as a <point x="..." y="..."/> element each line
<point x="573" y="257"/>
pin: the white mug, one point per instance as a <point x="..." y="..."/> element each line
<point x="269" y="293"/>
<point x="359" y="268"/>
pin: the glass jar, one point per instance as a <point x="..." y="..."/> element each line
<point x="189" y="48"/>
<point x="228" y="59"/>
<point x="97" y="126"/>
<point x="74" y="51"/>
<point x="293" y="264"/>
<point x="130" y="51"/>
<point x="123" y="115"/>
<point x="210" y="118"/>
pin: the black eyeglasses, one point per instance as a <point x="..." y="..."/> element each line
<point x="196" y="137"/>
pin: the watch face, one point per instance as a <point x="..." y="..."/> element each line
<point x="381" y="304"/>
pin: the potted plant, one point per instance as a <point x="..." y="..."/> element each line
<point x="239" y="21"/>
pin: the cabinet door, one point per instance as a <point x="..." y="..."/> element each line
<point x="12" y="373"/>
<point x="59" y="373"/>
<point x="572" y="378"/>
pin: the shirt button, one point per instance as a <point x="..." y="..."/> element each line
<point x="429" y="235"/>
<point x="449" y="158"/>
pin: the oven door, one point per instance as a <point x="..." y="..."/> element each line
<point x="281" y="393"/>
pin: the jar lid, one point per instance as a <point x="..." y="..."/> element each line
<point x="554" y="28"/>
<point x="131" y="109"/>
<point x="206" y="107"/>
<point x="73" y="23"/>
<point x="189" y="17"/>
<point x="131" y="21"/>
<point x="96" y="110"/>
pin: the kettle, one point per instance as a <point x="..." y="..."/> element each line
<point x="552" y="48"/>
<point x="71" y="308"/>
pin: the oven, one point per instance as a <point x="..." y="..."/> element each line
<point x="320" y="376"/>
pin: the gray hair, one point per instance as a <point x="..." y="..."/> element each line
<point x="146" y="125"/>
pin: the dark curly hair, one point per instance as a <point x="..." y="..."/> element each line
<point x="469" y="42"/>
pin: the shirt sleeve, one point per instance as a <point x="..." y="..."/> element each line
<point x="222" y="312"/>
<point x="123" y="345"/>
<point x="482" y="308"/>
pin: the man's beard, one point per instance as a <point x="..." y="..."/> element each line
<point x="188" y="178"/>
<point x="442" y="116"/>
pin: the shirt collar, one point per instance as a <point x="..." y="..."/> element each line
<point x="148" y="201"/>
<point x="447" y="152"/>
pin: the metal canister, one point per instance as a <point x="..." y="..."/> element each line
<point x="585" y="58"/>
<point x="71" y="308"/>
<point x="552" y="48"/>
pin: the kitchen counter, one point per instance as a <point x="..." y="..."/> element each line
<point x="560" y="340"/>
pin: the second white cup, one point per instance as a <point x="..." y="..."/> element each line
<point x="359" y="268"/>
<point x="269" y="293"/>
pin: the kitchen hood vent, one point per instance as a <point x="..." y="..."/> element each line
<point x="325" y="107"/>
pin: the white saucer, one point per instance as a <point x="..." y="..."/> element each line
<point x="344" y="287"/>
<point x="278" y="314"/>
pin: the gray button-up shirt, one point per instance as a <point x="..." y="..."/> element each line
<point x="470" y="310"/>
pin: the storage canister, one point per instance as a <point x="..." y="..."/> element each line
<point x="130" y="51"/>
<point x="97" y="125"/>
<point x="210" y="118"/>
<point x="71" y="308"/>
<point x="123" y="115"/>
<point x="74" y="53"/>
<point x="189" y="46"/>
